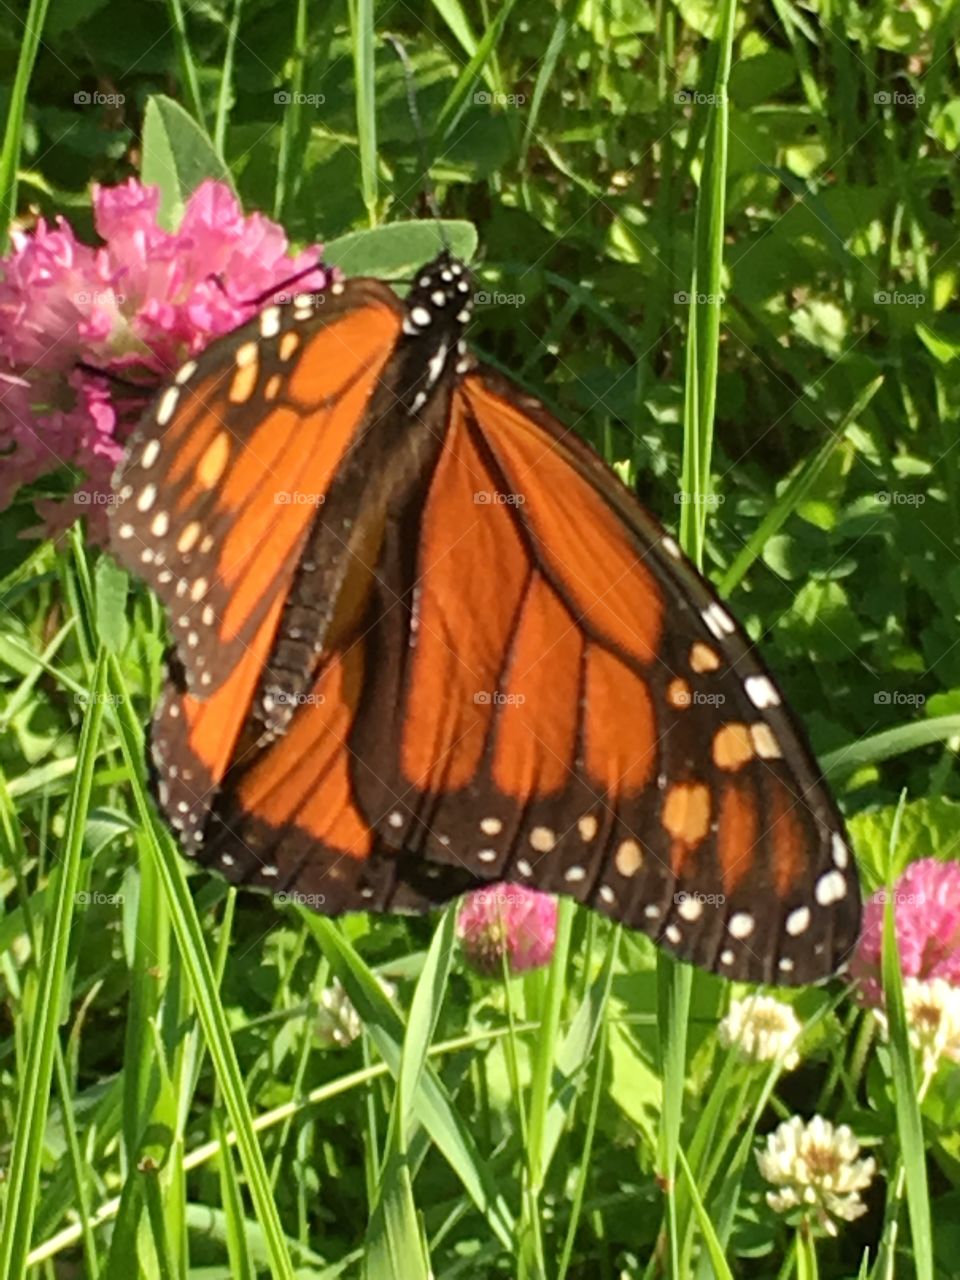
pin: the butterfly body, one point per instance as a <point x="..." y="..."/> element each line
<point x="425" y="639"/>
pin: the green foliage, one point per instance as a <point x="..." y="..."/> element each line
<point x="722" y="242"/>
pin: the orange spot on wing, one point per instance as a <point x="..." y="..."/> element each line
<point x="703" y="658"/>
<point x="288" y="344"/>
<point x="195" y="422"/>
<point x="189" y="536"/>
<point x="214" y="461"/>
<point x="254" y="462"/>
<point x="732" y="747"/>
<point x="686" y="812"/>
<point x="588" y="826"/>
<point x="629" y="857"/>
<point x="678" y="694"/>
<point x="243" y="384"/>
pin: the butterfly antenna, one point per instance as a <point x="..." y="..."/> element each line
<point x="429" y="194"/>
<point x="115" y="379"/>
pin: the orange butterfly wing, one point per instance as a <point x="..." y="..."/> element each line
<point x="567" y="704"/>
<point x="224" y="477"/>
<point x="217" y="500"/>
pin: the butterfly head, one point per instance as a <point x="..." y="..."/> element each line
<point x="440" y="301"/>
<point x="438" y="309"/>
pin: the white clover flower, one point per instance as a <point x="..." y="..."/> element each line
<point x="933" y="1019"/>
<point x="763" y="1029"/>
<point x="816" y="1168"/>
<point x="338" y="1022"/>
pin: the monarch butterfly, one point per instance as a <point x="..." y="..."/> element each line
<point x="424" y="638"/>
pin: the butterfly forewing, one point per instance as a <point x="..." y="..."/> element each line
<point x="217" y="509"/>
<point x="224" y="477"/>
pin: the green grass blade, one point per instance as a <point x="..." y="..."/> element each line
<point x="142" y="1072"/>
<point x="799" y="33"/>
<point x="674" y="985"/>
<point x="907" y="1104"/>
<point x="425" y="1014"/>
<point x="726" y="1198"/>
<point x="225" y="96"/>
<point x="394" y="1247"/>
<point x="232" y="1199"/>
<point x="459" y="96"/>
<point x="37" y="665"/>
<point x="794" y="493"/>
<point x="361" y="40"/>
<point x="123" y="1242"/>
<point x="159" y="1235"/>
<point x="675" y="981"/>
<point x="714" y="1249"/>
<point x="394" y="1240"/>
<point x="78" y="1166"/>
<point x="28" y="1138"/>
<point x="593" y="1039"/>
<point x="705" y="300"/>
<point x="574" y="1052"/>
<point x="292" y="125"/>
<point x="188" y="68"/>
<point x="13" y="133"/>
<point x="708" y="1138"/>
<point x="558" y="38"/>
<point x="889" y="743"/>
<point x="543" y="1068"/>
<point x="107" y="1211"/>
<point x="691" y="479"/>
<point x="454" y="15"/>
<point x="545" y="1062"/>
